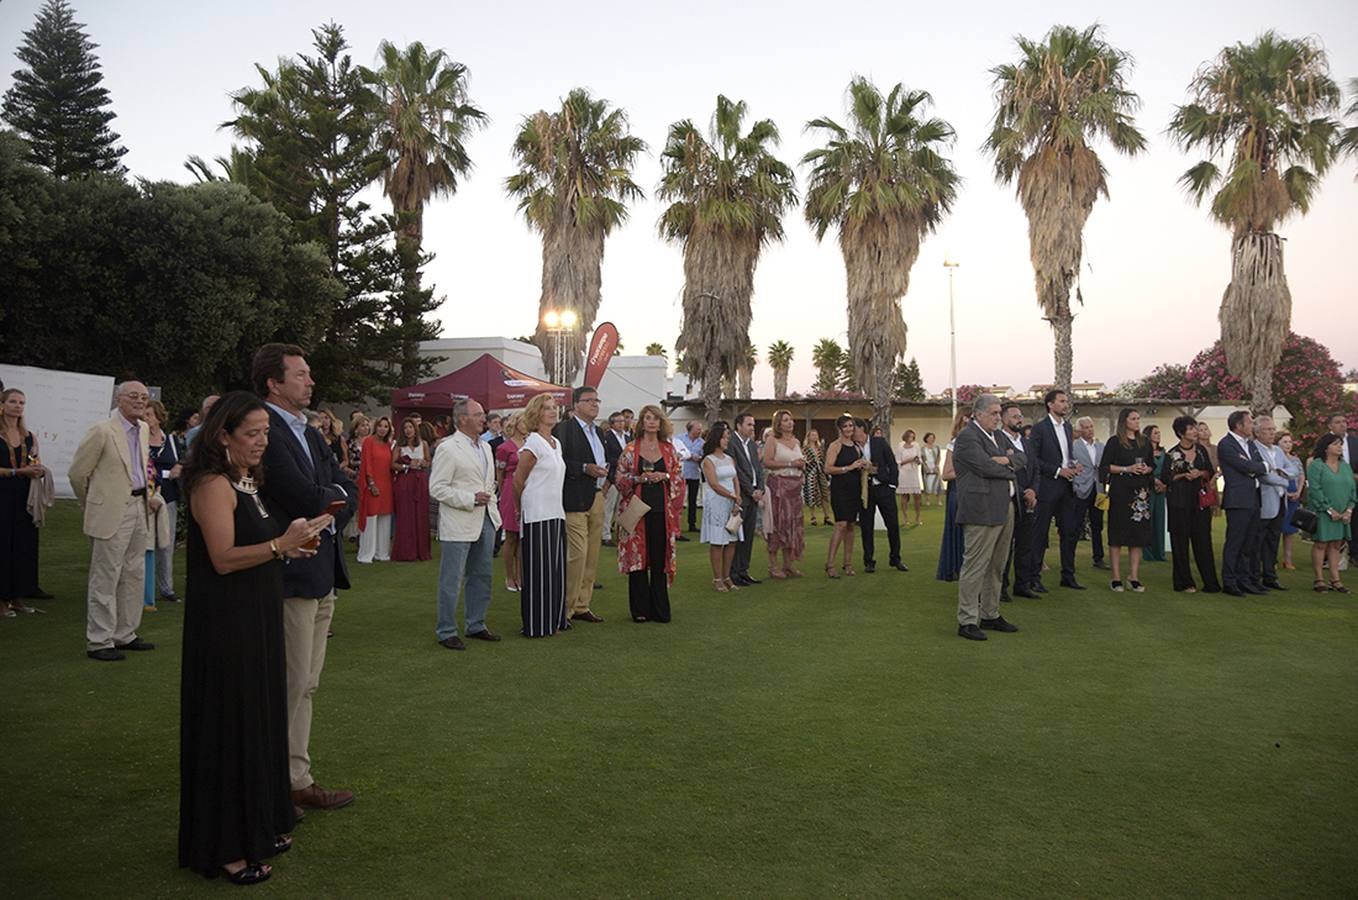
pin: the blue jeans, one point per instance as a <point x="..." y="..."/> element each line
<point x="468" y="561"/>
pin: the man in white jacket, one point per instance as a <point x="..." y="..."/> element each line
<point x="462" y="480"/>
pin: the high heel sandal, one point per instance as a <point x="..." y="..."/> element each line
<point x="1319" y="586"/>
<point x="848" y="570"/>
<point x="777" y="574"/>
<point x="1338" y="587"/>
<point x="282" y="844"/>
<point x="794" y="573"/>
<point x="731" y="585"/>
<point x="719" y="585"/>
<point x="250" y="873"/>
<point x="830" y="571"/>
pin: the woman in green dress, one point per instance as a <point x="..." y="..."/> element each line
<point x="1155" y="550"/>
<point x="1331" y="494"/>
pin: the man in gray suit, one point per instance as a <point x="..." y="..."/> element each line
<point x="1088" y="452"/>
<point x="985" y="462"/>
<point x="750" y="475"/>
<point x="1272" y="508"/>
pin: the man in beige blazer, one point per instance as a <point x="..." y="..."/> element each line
<point x="462" y="480"/>
<point x="108" y="475"/>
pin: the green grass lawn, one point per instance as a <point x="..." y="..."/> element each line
<point x="803" y="738"/>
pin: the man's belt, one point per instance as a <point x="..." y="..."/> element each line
<point x="139" y="492"/>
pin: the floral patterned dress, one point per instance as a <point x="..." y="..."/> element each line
<point x="1130" y="518"/>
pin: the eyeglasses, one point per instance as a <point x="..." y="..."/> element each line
<point x="137" y="396"/>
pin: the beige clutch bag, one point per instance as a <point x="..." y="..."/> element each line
<point x="627" y="520"/>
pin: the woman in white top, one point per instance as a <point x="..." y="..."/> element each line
<point x="783" y="465"/>
<point x="721" y="496"/>
<point x="909" y="484"/>
<point x="931" y="467"/>
<point x="538" y="479"/>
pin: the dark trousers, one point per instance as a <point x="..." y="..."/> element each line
<point x="1095" y="516"/>
<point x="1191" y="527"/>
<point x="693" y="485"/>
<point x="880" y="497"/>
<point x="648" y="594"/>
<point x="1242" y="529"/>
<point x="1057" y="504"/>
<point x="1020" y="554"/>
<point x="1270" y="534"/>
<point x="740" y="563"/>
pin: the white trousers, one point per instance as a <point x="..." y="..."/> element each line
<point x="374" y="541"/>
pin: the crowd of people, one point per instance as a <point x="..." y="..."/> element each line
<point x="271" y="490"/>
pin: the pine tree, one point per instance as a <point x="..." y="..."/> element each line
<point x="58" y="102"/>
<point x="909" y="383"/>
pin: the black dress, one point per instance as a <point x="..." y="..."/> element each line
<point x="648" y="592"/>
<point x="1130" y="518"/>
<point x="234" y="787"/>
<point x="18" y="534"/>
<point x="846" y="490"/>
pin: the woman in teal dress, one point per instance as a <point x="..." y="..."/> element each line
<point x="1155" y="550"/>
<point x="1331" y="494"/>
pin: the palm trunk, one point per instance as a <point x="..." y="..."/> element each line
<point x="1256" y="311"/>
<point x="409" y="240"/>
<point x="572" y="279"/>
<point x="1063" y="351"/>
<point x="718" y="282"/>
<point x="711" y="392"/>
<point x="743" y="379"/>
<point x="878" y="255"/>
<point x="780" y="382"/>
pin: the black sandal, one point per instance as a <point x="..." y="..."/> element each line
<point x="1319" y="586"/>
<point x="1338" y="587"/>
<point x="1137" y="586"/>
<point x="282" y="844"/>
<point x="250" y="873"/>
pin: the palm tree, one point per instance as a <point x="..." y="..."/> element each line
<point x="1348" y="139"/>
<point x="727" y="195"/>
<point x="828" y="358"/>
<point x="656" y="350"/>
<point x="425" y="118"/>
<point x="573" y="184"/>
<point x="238" y="168"/>
<point x="883" y="184"/>
<point x="1063" y="92"/>
<point x="779" y="357"/>
<point x="1263" y="106"/>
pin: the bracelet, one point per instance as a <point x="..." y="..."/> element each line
<point x="273" y="546"/>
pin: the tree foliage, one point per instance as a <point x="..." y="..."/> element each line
<point x="909" y="383"/>
<point x="58" y="102"/>
<point x="176" y="285"/>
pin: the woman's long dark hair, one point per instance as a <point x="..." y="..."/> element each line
<point x="208" y="455"/>
<point x="1138" y="441"/>
<point x="713" y="442"/>
<point x="1323" y="443"/>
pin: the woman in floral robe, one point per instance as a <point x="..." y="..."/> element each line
<point x="649" y="469"/>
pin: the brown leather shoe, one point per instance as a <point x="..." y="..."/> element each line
<point x="317" y="797"/>
<point x="588" y="616"/>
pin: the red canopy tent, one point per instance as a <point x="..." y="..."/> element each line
<point x="486" y="380"/>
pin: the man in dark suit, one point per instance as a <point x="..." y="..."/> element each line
<point x="1241" y="465"/>
<point x="1049" y="448"/>
<point x="303" y="478"/>
<point x="1025" y="502"/>
<point x="985" y="463"/>
<point x="750" y="475"/>
<point x="582" y="447"/>
<point x="615" y="440"/>
<point x="882" y="480"/>
<point x="1339" y="424"/>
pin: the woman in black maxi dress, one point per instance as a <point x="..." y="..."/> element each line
<point x="235" y="803"/>
<point x="1127" y="469"/>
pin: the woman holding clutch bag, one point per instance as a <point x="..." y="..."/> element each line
<point x="649" y="470"/>
<point x="721" y="497"/>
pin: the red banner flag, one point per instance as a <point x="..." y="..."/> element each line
<point x="601" y="348"/>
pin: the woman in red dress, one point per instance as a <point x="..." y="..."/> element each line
<point x="412" y="496"/>
<point x="376" y="501"/>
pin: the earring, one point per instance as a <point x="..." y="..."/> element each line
<point x="229" y="461"/>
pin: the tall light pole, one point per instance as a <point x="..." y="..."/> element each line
<point x="952" y="335"/>
<point x="559" y="323"/>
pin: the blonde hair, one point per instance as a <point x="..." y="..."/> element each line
<point x="807" y="442"/>
<point x="963" y="417"/>
<point x="5" y="395"/>
<point x="532" y="413"/>
<point x="159" y="409"/>
<point x="514" y="424"/>
<point x="666" y="429"/>
<point x="778" y="417"/>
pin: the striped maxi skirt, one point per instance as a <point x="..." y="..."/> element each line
<point x="542" y="595"/>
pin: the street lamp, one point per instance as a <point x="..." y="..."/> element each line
<point x="952" y="336"/>
<point x="559" y="323"/>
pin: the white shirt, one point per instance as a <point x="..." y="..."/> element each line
<point x="1060" y="427"/>
<point x="541" y="498"/>
<point x="596" y="445"/>
<point x="1015" y="438"/>
<point x="1245" y="445"/>
<point x="1344" y="448"/>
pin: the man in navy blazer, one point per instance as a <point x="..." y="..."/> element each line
<point x="882" y="480"/>
<point x="1241" y="466"/>
<point x="302" y="478"/>
<point x="1049" y="451"/>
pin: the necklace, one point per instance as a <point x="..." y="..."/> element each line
<point x="246" y="485"/>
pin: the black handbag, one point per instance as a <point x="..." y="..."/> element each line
<point x="1304" y="519"/>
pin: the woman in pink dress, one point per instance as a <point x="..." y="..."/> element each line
<point x="411" y="495"/>
<point x="506" y="461"/>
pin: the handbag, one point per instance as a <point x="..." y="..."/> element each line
<point x="1101" y="502"/>
<point x="1207" y="496"/>
<point x="636" y="510"/>
<point x="734" y="523"/>
<point x="1304" y="519"/>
